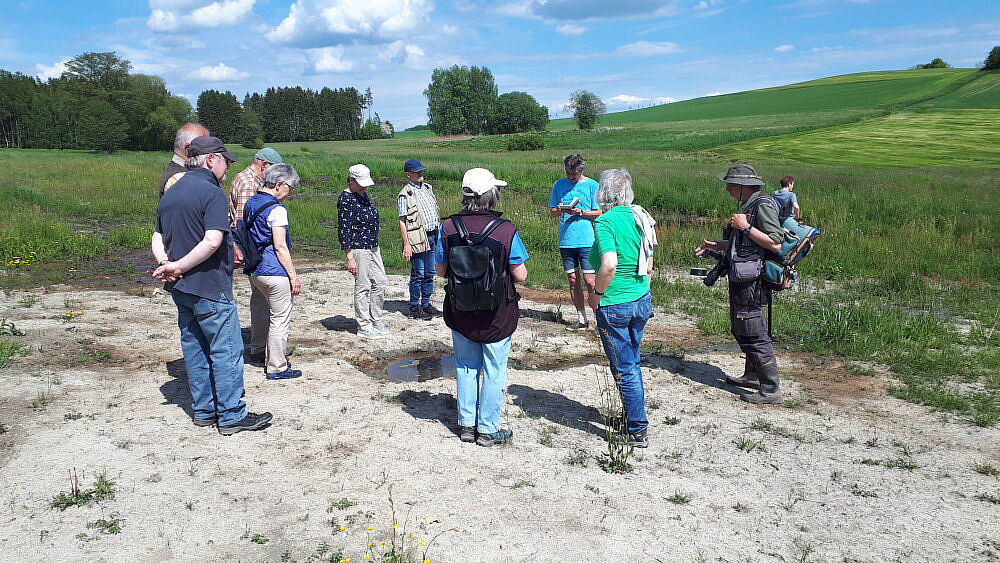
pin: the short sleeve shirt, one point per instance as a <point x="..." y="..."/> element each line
<point x="194" y="205"/>
<point x="616" y="231"/>
<point x="575" y="231"/>
<point x="261" y="230"/>
<point x="786" y="202"/>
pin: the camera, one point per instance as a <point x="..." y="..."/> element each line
<point x="711" y="276"/>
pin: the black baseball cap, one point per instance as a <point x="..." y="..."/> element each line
<point x="209" y="145"/>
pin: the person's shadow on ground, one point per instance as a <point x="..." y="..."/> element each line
<point x="440" y="407"/>
<point x="340" y="323"/>
<point x="557" y="408"/>
<point x="175" y="391"/>
<point x="699" y="372"/>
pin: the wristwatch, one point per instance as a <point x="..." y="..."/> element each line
<point x="599" y="292"/>
<point x="746" y="231"/>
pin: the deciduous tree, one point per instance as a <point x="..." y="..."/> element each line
<point x="587" y="107"/>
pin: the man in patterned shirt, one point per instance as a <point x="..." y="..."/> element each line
<point x="246" y="183"/>
<point x="419" y="220"/>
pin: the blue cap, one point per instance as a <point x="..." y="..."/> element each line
<point x="413" y="165"/>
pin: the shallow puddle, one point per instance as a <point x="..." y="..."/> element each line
<point x="419" y="368"/>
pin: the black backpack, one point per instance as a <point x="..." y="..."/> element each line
<point x="477" y="276"/>
<point x="241" y="233"/>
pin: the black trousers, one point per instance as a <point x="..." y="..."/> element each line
<point x="749" y="326"/>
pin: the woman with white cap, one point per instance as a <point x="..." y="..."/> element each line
<point x="357" y="230"/>
<point x="482" y="256"/>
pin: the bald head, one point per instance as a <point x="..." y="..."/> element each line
<point x="185" y="135"/>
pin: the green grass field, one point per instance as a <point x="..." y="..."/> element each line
<point x="905" y="200"/>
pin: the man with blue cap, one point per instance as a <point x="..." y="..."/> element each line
<point x="246" y="183"/>
<point x="419" y="220"/>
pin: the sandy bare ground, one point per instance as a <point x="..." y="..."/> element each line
<point x="848" y="474"/>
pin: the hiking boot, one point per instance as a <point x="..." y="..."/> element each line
<point x="638" y="440"/>
<point x="370" y="334"/>
<point x="257" y="360"/>
<point x="491" y="439"/>
<point x="289" y="373"/>
<point x="418" y="313"/>
<point x="431" y="310"/>
<point x="250" y="422"/>
<point x="770" y="392"/>
<point x="468" y="434"/>
<point x="579" y="326"/>
<point x="381" y="328"/>
<point x="748" y="380"/>
<point x="203" y="422"/>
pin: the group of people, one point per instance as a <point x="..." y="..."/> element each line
<point x="606" y="244"/>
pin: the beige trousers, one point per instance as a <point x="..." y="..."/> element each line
<point x="369" y="287"/>
<point x="270" y="318"/>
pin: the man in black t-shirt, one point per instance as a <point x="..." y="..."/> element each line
<point x="193" y="247"/>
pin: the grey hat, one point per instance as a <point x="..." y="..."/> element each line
<point x="209" y="145"/>
<point x="742" y="174"/>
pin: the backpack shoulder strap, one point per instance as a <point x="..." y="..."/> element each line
<point x="259" y="211"/>
<point x="460" y="227"/>
<point x="490" y="227"/>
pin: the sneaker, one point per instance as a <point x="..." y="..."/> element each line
<point x="432" y="311"/>
<point x="500" y="437"/>
<point x="250" y="422"/>
<point x="370" y="334"/>
<point x="257" y="360"/>
<point x="289" y="373"/>
<point x="203" y="422"/>
<point x="381" y="328"/>
<point x="416" y="312"/>
<point x="468" y="434"/>
<point x="578" y="326"/>
<point x="638" y="440"/>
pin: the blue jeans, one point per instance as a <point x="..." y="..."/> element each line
<point x="620" y="328"/>
<point x="213" y="356"/>
<point x="481" y="371"/>
<point x="422" y="270"/>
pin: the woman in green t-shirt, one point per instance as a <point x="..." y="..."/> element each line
<point x="623" y="246"/>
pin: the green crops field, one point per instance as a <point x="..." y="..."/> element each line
<point x="905" y="274"/>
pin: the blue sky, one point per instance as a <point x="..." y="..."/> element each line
<point x="631" y="52"/>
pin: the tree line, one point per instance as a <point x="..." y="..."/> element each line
<point x="291" y="114"/>
<point x="96" y="103"/>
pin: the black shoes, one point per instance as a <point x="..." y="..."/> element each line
<point x="422" y="313"/>
<point x="251" y="421"/>
<point x="468" y="434"/>
<point x="203" y="422"/>
<point x="499" y="437"/>
<point x="256" y="360"/>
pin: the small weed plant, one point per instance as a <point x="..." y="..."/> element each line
<point x="10" y="350"/>
<point x="679" y="498"/>
<point x="7" y="328"/>
<point x="748" y="444"/>
<point x="103" y="489"/>
<point x="615" y="459"/>
<point x="109" y="526"/>
<point x="398" y="546"/>
<point x="982" y="467"/>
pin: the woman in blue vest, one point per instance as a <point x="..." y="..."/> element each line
<point x="274" y="281"/>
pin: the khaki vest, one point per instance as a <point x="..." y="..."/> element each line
<point x="416" y="230"/>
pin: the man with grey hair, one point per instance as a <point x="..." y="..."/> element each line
<point x="753" y="229"/>
<point x="192" y="244"/>
<point x="572" y="201"/>
<point x="249" y="182"/>
<point x="176" y="167"/>
<point x="273" y="281"/>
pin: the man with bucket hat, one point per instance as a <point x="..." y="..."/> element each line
<point x="419" y="220"/>
<point x="193" y="246"/>
<point x="752" y="230"/>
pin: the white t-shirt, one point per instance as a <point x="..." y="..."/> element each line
<point x="278" y="217"/>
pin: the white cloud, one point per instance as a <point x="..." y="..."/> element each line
<point x="399" y="52"/>
<point x="630" y="100"/>
<point x="649" y="48"/>
<point x="784" y="48"/>
<point x="53" y="71"/>
<point x="449" y="30"/>
<point x="218" y="73"/>
<point x="570" y="29"/>
<point x="314" y="23"/>
<point x="175" y="16"/>
<point x="329" y="59"/>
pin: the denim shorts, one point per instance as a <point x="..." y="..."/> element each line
<point x="574" y="258"/>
